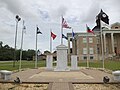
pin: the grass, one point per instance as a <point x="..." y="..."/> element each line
<point x="109" y="64"/>
<point x="24" y="64"/>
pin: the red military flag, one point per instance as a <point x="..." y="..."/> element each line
<point x="53" y="35"/>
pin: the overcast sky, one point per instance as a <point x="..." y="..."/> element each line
<point x="47" y="15"/>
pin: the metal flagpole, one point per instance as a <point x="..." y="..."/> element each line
<point x="36" y="50"/>
<point x="21" y="45"/>
<point x="50" y="41"/>
<point x="72" y="34"/>
<point x="15" y="44"/>
<point x="87" y="51"/>
<point x="62" y="31"/>
<point x="17" y="20"/>
<point x="102" y="44"/>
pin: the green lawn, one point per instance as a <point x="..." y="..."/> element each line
<point x="24" y="64"/>
<point x="109" y="64"/>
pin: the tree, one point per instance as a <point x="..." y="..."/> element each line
<point x="7" y="47"/>
<point x="30" y="54"/>
<point x="1" y="44"/>
<point x="7" y="53"/>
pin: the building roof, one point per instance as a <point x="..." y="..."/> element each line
<point x="80" y="34"/>
<point x="115" y="24"/>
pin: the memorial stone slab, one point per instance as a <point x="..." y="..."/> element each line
<point x="49" y="62"/>
<point x="62" y="58"/>
<point x="74" y="62"/>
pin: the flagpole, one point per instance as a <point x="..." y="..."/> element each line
<point x="87" y="50"/>
<point x="102" y="44"/>
<point x="50" y="41"/>
<point x="36" y="50"/>
<point x="61" y="32"/>
<point x="21" y="45"/>
<point x="72" y="32"/>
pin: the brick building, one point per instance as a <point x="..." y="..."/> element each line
<point x="105" y="43"/>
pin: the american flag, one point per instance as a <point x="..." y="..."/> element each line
<point x="65" y="24"/>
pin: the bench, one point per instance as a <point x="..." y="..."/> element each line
<point x="5" y="74"/>
<point x="116" y="75"/>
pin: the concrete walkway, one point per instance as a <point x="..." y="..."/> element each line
<point x="61" y="80"/>
<point x="60" y="86"/>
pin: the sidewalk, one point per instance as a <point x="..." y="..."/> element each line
<point x="60" y="86"/>
<point x="61" y="80"/>
<point x="42" y="75"/>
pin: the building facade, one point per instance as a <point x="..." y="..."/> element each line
<point x="83" y="45"/>
<point x="104" y="43"/>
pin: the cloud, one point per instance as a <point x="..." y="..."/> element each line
<point x="44" y="15"/>
<point x="13" y="5"/>
<point x="90" y="14"/>
<point x="19" y="7"/>
<point x="62" y="10"/>
<point x="47" y="14"/>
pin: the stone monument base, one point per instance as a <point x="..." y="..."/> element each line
<point x="58" y="69"/>
<point x="74" y="63"/>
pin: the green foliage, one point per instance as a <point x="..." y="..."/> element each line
<point x="7" y="53"/>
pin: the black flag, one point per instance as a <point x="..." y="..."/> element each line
<point x="38" y="31"/>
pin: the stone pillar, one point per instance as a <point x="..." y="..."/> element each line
<point x="68" y="45"/>
<point x="74" y="63"/>
<point x="61" y="58"/>
<point x="68" y="48"/>
<point x="73" y="46"/>
<point x="104" y="36"/>
<point x="49" y="62"/>
<point x="112" y="41"/>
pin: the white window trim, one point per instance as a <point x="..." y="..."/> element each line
<point x="91" y="51"/>
<point x="84" y="50"/>
<point x="84" y="40"/>
<point x="90" y="40"/>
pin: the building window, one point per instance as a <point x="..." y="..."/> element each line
<point x="116" y="27"/>
<point x="84" y="50"/>
<point x="84" y="57"/>
<point x="98" y="41"/>
<point x="70" y="50"/>
<point x="91" y="57"/>
<point x="84" y="40"/>
<point x="91" y="50"/>
<point x="77" y="51"/>
<point x="98" y="50"/>
<point x="90" y="40"/>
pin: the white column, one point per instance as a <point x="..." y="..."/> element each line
<point x="112" y="41"/>
<point x="73" y="46"/>
<point x="74" y="63"/>
<point x="68" y="48"/>
<point x="49" y="62"/>
<point x="68" y="45"/>
<point x="104" y="36"/>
